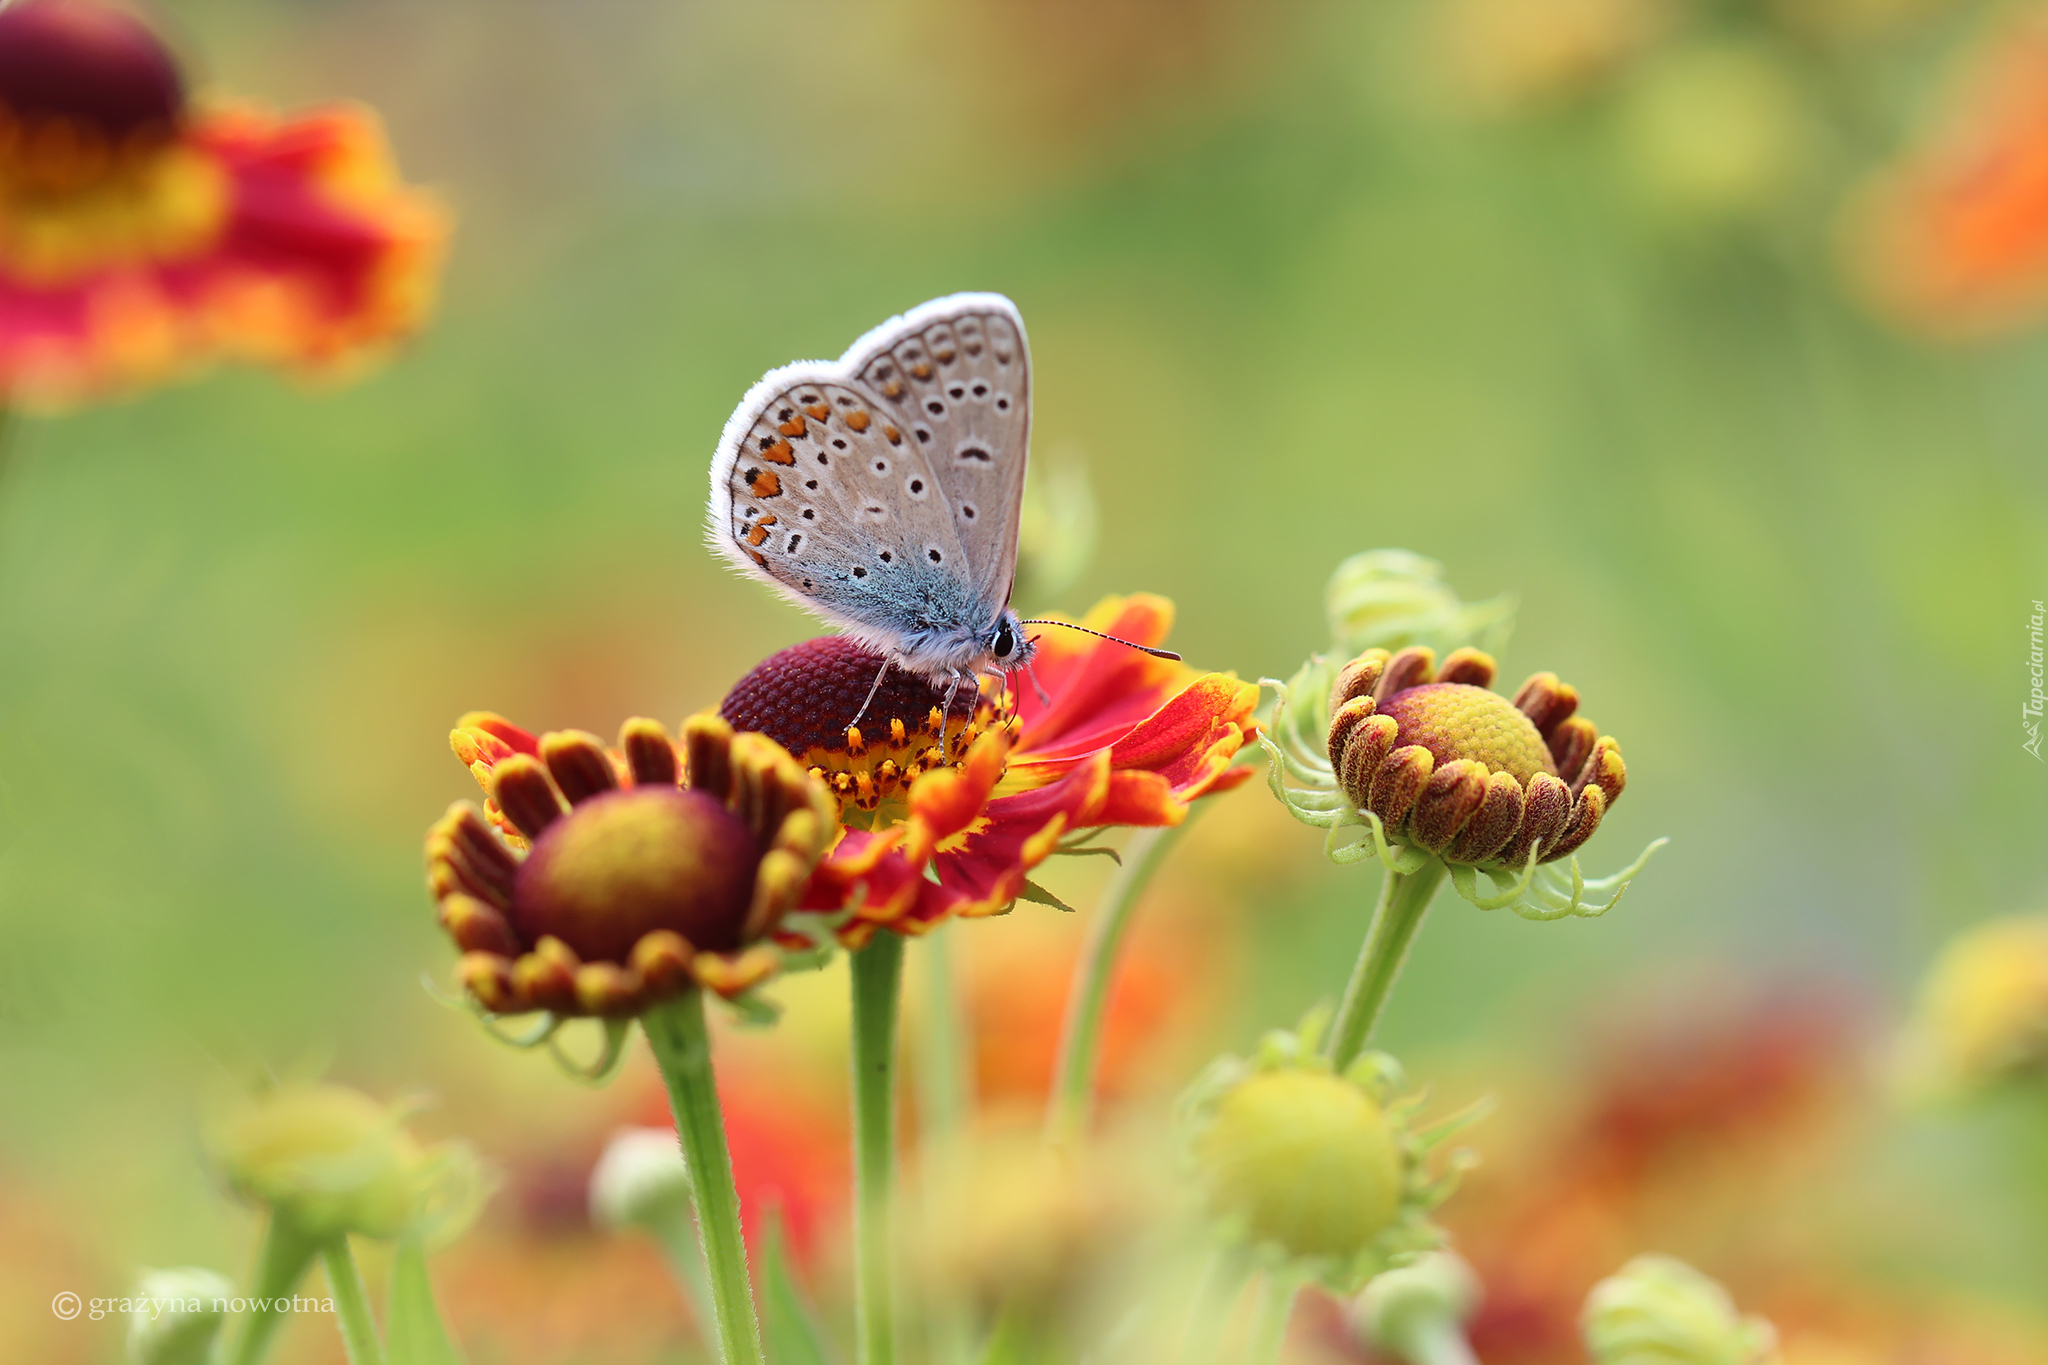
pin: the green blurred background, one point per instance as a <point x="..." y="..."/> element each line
<point x="1293" y="291"/>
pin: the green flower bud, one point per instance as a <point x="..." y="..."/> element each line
<point x="1660" y="1311"/>
<point x="641" y="1181"/>
<point x="176" y="1316"/>
<point x="1394" y="599"/>
<point x="1415" y="1309"/>
<point x="1325" y="1175"/>
<point x="333" y="1161"/>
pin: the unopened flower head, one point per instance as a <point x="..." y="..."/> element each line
<point x="1659" y="1311"/>
<point x="1324" y="1173"/>
<point x="1430" y="763"/>
<point x="627" y="874"/>
<point x="177" y="1315"/>
<point x="1982" y="1015"/>
<point x="1411" y="1308"/>
<point x="329" y="1160"/>
<point x="142" y="235"/>
<point x="640" y="1181"/>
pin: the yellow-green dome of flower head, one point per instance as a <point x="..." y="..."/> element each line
<point x="331" y="1161"/>
<point x="1320" y="1171"/>
<point x="1307" y="1159"/>
<point x="1459" y="721"/>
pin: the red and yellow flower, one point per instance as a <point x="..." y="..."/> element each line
<point x="978" y="792"/>
<point x="142" y="237"/>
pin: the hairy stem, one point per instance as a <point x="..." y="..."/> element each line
<point x="1080" y="1053"/>
<point x="1404" y="899"/>
<point x="682" y="1046"/>
<point x="877" y="985"/>
<point x="351" y="1304"/>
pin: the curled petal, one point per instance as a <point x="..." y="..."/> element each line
<point x="1571" y="744"/>
<point x="1500" y="813"/>
<point x="578" y="763"/>
<point x="650" y="754"/>
<point x="1452" y="796"/>
<point x="1410" y="668"/>
<point x="523" y="790"/>
<point x="1358" y="678"/>
<point x="1547" y="702"/>
<point x="1473" y="667"/>
<point x="1399" y="782"/>
<point x="1586" y="813"/>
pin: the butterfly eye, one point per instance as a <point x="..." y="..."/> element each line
<point x="1004" y="643"/>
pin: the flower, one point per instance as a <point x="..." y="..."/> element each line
<point x="331" y="1161"/>
<point x="1417" y="1311"/>
<point x="1660" y="1311"/>
<point x="177" y="1315"/>
<point x="1982" y="1016"/>
<point x="640" y="1181"/>
<point x="979" y="791"/>
<point x="1432" y="761"/>
<point x="1952" y="240"/>
<point x="141" y="237"/>
<point x="1320" y="1171"/>
<point x="625" y="881"/>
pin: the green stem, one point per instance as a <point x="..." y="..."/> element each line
<point x="682" y="1047"/>
<point x="1073" y="1086"/>
<point x="1269" y="1321"/>
<point x="1404" y="899"/>
<point x="351" y="1304"/>
<point x="286" y="1254"/>
<point x="877" y="984"/>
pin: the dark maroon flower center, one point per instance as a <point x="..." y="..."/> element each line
<point x="804" y="697"/>
<point x="91" y="67"/>
<point x="626" y="863"/>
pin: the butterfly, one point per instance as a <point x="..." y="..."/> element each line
<point x="881" y="491"/>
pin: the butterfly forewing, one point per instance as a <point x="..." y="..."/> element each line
<point x="961" y="379"/>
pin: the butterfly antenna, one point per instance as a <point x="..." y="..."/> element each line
<point x="871" y="696"/>
<point x="1104" y="635"/>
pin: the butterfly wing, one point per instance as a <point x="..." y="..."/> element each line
<point x="881" y="491"/>
<point x="958" y="370"/>
<point x="819" y="488"/>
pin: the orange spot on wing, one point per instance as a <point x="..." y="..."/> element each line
<point x="764" y="483"/>
<point x="819" y="411"/>
<point x="759" y="558"/>
<point x="922" y="369"/>
<point x="857" y="420"/>
<point x="895" y="436"/>
<point x="758" y="535"/>
<point x="779" y="453"/>
<point x="793" y="427"/>
<point x="893" y="389"/>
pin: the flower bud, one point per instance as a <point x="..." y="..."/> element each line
<point x="1306" y="1159"/>
<point x="177" y="1315"/>
<point x="1392" y="599"/>
<point x="332" y="1161"/>
<point x="1660" y="1311"/>
<point x="1408" y="1309"/>
<point x="641" y="1181"/>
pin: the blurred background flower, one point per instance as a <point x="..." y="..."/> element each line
<point x="143" y="234"/>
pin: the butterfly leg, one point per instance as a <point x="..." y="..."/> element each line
<point x="871" y="696"/>
<point x="946" y="718"/>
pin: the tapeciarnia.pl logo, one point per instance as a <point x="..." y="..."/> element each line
<point x="2030" y="710"/>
